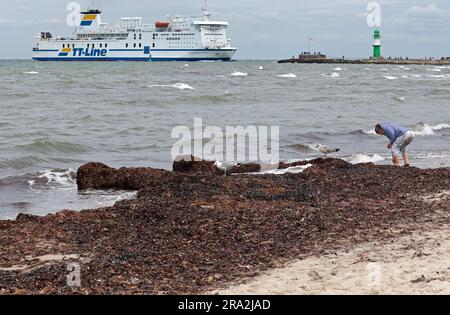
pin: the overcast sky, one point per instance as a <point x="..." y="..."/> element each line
<point x="261" y="29"/>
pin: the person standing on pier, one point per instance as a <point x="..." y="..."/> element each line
<point x="400" y="138"/>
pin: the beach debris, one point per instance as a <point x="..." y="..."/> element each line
<point x="101" y="176"/>
<point x="193" y="230"/>
<point x="192" y="164"/>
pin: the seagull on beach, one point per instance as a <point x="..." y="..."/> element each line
<point x="224" y="166"/>
<point x="326" y="150"/>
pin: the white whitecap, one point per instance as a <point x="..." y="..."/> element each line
<point x="30" y="72"/>
<point x="331" y="75"/>
<point x="180" y="86"/>
<point x="400" y="98"/>
<point x="370" y="132"/>
<point x="429" y="130"/>
<point x="239" y="74"/>
<point x="287" y="75"/>
<point x="290" y="170"/>
<point x="61" y="177"/>
<point x="389" y="77"/>
<point x="440" y="127"/>
<point x="362" y="158"/>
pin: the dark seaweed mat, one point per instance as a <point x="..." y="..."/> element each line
<point x="190" y="232"/>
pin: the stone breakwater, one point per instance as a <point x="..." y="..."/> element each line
<point x="428" y="62"/>
<point x="194" y="230"/>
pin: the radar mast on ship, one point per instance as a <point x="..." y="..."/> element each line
<point x="206" y="13"/>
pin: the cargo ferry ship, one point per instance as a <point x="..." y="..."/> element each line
<point x="175" y="38"/>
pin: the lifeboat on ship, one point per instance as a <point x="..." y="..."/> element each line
<point x="160" y="24"/>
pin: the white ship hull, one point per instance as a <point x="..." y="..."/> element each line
<point x="138" y="55"/>
<point x="193" y="55"/>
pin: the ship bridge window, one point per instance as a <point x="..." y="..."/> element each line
<point x="126" y="45"/>
<point x="106" y="45"/>
<point x="64" y="45"/>
<point x="140" y="45"/>
<point x="101" y="45"/>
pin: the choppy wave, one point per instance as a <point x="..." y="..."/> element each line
<point x="109" y="197"/>
<point x="429" y="76"/>
<point x="44" y="179"/>
<point x="22" y="162"/>
<point x="370" y="132"/>
<point x="214" y="99"/>
<point x="57" y="177"/>
<point x="428" y="130"/>
<point x="180" y="86"/>
<point x="362" y="158"/>
<point x="239" y="74"/>
<point x="333" y="75"/>
<point x="420" y="129"/>
<point x="400" y="98"/>
<point x="46" y="146"/>
<point x="438" y="76"/>
<point x="287" y="75"/>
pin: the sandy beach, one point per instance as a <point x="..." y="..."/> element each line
<point x="415" y="264"/>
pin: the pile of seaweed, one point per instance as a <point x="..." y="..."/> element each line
<point x="194" y="229"/>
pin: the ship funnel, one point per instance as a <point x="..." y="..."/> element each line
<point x="89" y="17"/>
